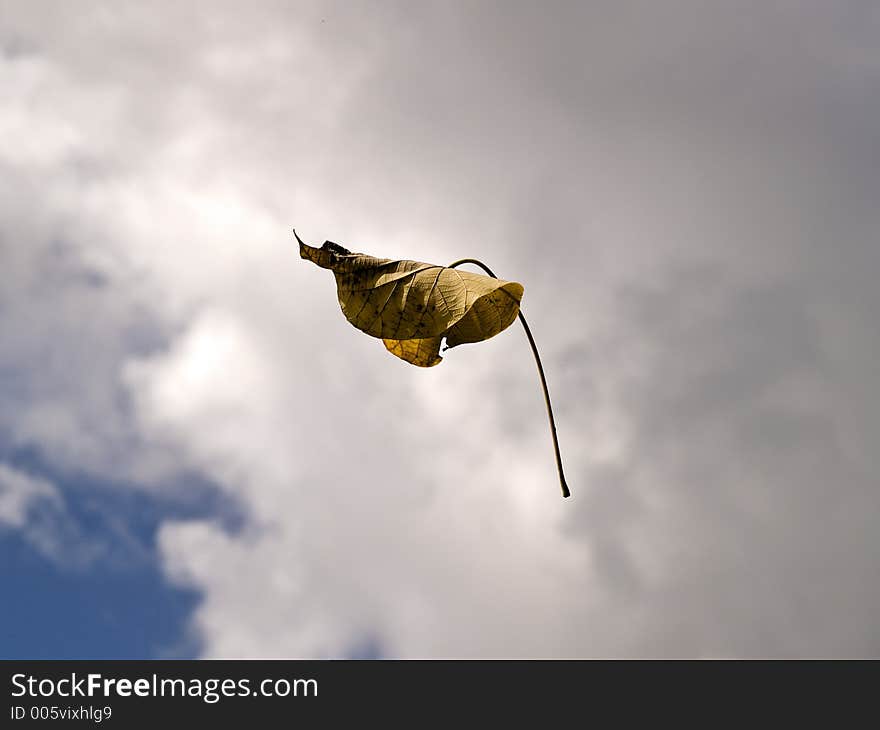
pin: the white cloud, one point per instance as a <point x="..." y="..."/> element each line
<point x="20" y="493"/>
<point x="35" y="510"/>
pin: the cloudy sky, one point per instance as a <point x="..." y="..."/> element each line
<point x="199" y="456"/>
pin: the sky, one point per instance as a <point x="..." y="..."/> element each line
<point x="200" y="457"/>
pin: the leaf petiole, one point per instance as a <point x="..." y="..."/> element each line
<point x="522" y="319"/>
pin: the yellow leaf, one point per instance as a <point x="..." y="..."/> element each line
<point x="412" y="306"/>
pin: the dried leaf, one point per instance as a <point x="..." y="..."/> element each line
<point x="412" y="306"/>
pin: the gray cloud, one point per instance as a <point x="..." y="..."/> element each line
<point x="687" y="194"/>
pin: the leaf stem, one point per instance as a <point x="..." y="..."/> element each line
<point x="565" y="492"/>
